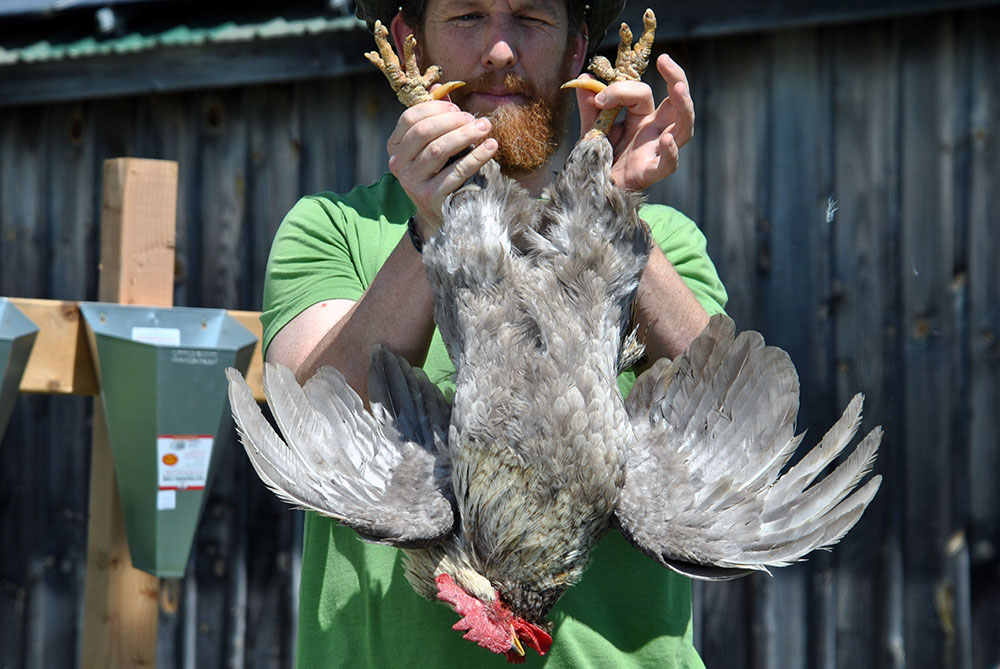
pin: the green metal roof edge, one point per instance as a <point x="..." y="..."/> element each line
<point x="228" y="32"/>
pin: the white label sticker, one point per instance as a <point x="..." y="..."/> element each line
<point x="158" y="336"/>
<point x="182" y="461"/>
<point x="166" y="500"/>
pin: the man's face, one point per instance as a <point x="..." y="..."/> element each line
<point x="513" y="56"/>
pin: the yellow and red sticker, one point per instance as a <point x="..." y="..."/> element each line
<point x="182" y="464"/>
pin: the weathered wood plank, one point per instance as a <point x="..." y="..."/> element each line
<point x="375" y="117"/>
<point x="197" y="67"/>
<point x="30" y="586"/>
<point x="223" y="197"/>
<point x="213" y="567"/>
<point x="984" y="341"/>
<point x="328" y="152"/>
<point x="22" y="210"/>
<point x="274" y="136"/>
<point x="984" y="289"/>
<point x="62" y="451"/>
<point x="795" y="292"/>
<point x="735" y="136"/>
<point x="734" y="74"/>
<point x="866" y="118"/>
<point x="684" y="189"/>
<point x="726" y="624"/>
<point x="261" y="583"/>
<point x="15" y="456"/>
<point x="71" y="207"/>
<point x="24" y="229"/>
<point x="926" y="273"/>
<point x="271" y="571"/>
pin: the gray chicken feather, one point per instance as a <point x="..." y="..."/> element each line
<point x="538" y="455"/>
<point x="384" y="475"/>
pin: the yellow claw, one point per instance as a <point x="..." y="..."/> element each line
<point x="444" y="89"/>
<point x="592" y="85"/>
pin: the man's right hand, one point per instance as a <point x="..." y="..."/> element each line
<point x="421" y="148"/>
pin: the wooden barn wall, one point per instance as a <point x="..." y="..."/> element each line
<point x="896" y="294"/>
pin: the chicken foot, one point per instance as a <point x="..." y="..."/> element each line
<point x="629" y="66"/>
<point x="410" y="85"/>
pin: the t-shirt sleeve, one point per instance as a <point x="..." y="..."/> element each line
<point x="685" y="247"/>
<point x="310" y="261"/>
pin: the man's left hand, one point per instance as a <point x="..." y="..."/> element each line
<point x="647" y="141"/>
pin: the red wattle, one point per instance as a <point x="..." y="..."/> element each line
<point x="532" y="635"/>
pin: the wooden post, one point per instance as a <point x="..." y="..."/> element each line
<point x="138" y="222"/>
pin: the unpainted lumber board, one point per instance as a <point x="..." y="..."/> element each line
<point x="121" y="603"/>
<point x="60" y="361"/>
<point x="142" y="271"/>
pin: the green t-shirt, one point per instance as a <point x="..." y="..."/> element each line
<point x="356" y="608"/>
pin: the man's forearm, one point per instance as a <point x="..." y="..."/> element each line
<point x="668" y="314"/>
<point x="396" y="310"/>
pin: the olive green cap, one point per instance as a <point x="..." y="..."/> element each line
<point x="599" y="16"/>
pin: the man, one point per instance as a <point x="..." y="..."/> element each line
<point x="344" y="275"/>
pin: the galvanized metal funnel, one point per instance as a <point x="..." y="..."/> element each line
<point x="163" y="386"/>
<point x="17" y="336"/>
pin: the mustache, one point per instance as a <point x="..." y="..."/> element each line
<point x="510" y="82"/>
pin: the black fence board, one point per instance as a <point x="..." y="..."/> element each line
<point x="984" y="344"/>
<point x="734" y="145"/>
<point x="863" y="307"/>
<point x="926" y="274"/>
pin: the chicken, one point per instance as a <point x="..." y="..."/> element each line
<point x="499" y="496"/>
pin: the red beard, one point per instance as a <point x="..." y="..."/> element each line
<point x="527" y="133"/>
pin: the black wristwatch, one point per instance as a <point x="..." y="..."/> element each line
<point x="411" y="229"/>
